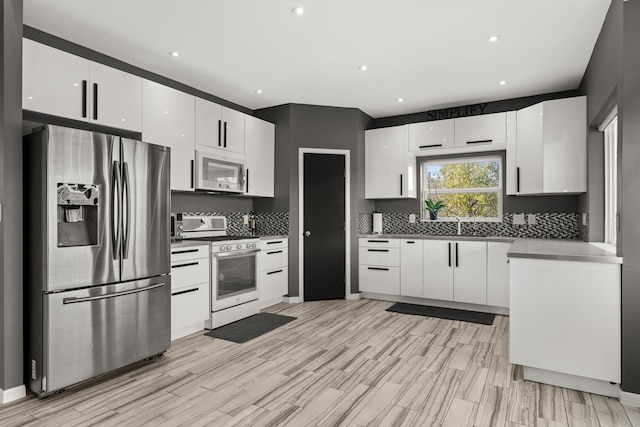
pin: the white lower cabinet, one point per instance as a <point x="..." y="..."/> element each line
<point x="190" y="289"/>
<point x="470" y="272"/>
<point x="274" y="271"/>
<point x="497" y="274"/>
<point x="438" y="270"/>
<point x="411" y="268"/>
<point x="379" y="268"/>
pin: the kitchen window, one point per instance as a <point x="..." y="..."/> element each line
<point x="470" y="188"/>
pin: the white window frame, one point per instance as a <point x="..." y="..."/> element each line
<point x="500" y="189"/>
<point x="609" y="128"/>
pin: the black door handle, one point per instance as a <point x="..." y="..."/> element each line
<point x="518" y="179"/>
<point x="401" y="184"/>
<point x="456" y="254"/>
<point x="219" y="133"/>
<point x="449" y="254"/>
<point x="84" y="98"/>
<point x="95" y="101"/>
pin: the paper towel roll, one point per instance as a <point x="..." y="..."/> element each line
<point x="377" y="223"/>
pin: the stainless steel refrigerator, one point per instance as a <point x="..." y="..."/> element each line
<point x="97" y="255"/>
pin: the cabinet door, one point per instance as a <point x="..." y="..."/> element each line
<point x="233" y="132"/>
<point x="564" y="148"/>
<point x="411" y="268"/>
<point x="380" y="280"/>
<point x="189" y="309"/>
<point x="209" y="126"/>
<point x="511" y="167"/>
<point x="427" y="136"/>
<point x="168" y="118"/>
<point x="470" y="275"/>
<point x="115" y="98"/>
<point x="486" y="129"/>
<point x="529" y="154"/>
<point x="54" y="82"/>
<point x="438" y="269"/>
<point x="497" y="274"/>
<point x="259" y="157"/>
<point x="389" y="170"/>
<point x="273" y="285"/>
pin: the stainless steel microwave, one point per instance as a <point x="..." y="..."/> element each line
<point x="219" y="172"/>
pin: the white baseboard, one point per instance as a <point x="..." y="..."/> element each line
<point x="574" y="382"/>
<point x="354" y="296"/>
<point x="291" y="300"/>
<point x="12" y="394"/>
<point x="630" y="399"/>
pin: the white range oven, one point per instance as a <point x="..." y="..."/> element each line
<point x="234" y="268"/>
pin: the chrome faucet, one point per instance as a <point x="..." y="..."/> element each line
<point x="459" y="230"/>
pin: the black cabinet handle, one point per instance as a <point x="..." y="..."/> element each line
<point x="378" y="241"/>
<point x="184" y="252"/>
<point x="247" y="180"/>
<point x="274" y="242"/>
<point x="225" y="134"/>
<point x="95" y="101"/>
<point x="410" y="242"/>
<point x="84" y="98"/>
<point x="456" y="254"/>
<point x="430" y="146"/>
<point x="377" y="250"/>
<point x="193" y="173"/>
<point x="378" y="268"/>
<point x="480" y="141"/>
<point x="274" y="252"/>
<point x="274" y="272"/>
<point x="188" y="291"/>
<point x="219" y="133"/>
<point x="518" y="179"/>
<point x="401" y="184"/>
<point x="184" y="265"/>
<point x="449" y="254"/>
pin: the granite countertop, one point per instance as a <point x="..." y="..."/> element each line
<point x="564" y="250"/>
<point x="480" y="238"/>
<point x="268" y="237"/>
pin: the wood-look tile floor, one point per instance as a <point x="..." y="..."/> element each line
<point x="341" y="363"/>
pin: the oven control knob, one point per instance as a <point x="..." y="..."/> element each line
<point x="221" y="248"/>
<point x="238" y="246"/>
<point x="228" y="247"/>
<point x="248" y="245"/>
<point x="253" y="245"/>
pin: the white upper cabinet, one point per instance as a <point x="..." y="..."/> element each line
<point x="511" y="166"/>
<point x="485" y="129"/>
<point x="390" y="170"/>
<point x="551" y="148"/>
<point x="115" y="98"/>
<point x="168" y="118"/>
<point x="259" y="156"/>
<point x="219" y="128"/>
<point x="434" y="135"/>
<point x="65" y="85"/>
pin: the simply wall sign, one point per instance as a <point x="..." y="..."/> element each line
<point x="454" y="112"/>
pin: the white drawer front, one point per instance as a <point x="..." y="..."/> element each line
<point x="374" y="242"/>
<point x="274" y="244"/>
<point x="273" y="284"/>
<point x="381" y="280"/>
<point x="380" y="256"/>
<point x="189" y="306"/>
<point x="189" y="272"/>
<point x="273" y="258"/>
<point x="189" y="252"/>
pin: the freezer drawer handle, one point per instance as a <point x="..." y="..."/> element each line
<point x="274" y="252"/>
<point x="74" y="300"/>
<point x="377" y="250"/>
<point x="185" y="265"/>
<point x="188" y="291"/>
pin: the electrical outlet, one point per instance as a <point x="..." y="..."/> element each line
<point x="245" y="219"/>
<point x="518" y="219"/>
<point x="531" y="219"/>
<point x="412" y="218"/>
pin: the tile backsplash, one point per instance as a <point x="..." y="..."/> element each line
<point x="548" y="225"/>
<point x="267" y="224"/>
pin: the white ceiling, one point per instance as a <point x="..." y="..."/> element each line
<point x="431" y="53"/>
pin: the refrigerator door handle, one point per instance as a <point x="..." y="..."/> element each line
<point x="115" y="209"/>
<point x="126" y="187"/>
<point x="75" y="300"/>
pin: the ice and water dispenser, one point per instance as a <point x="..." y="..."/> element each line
<point x="77" y="214"/>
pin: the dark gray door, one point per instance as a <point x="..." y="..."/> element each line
<point x="324" y="226"/>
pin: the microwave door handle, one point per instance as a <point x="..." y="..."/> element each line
<point x="126" y="186"/>
<point x="115" y="209"/>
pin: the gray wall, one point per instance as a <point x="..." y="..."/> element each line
<point x="310" y="126"/>
<point x="11" y="371"/>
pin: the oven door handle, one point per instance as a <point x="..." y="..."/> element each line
<point x="236" y="253"/>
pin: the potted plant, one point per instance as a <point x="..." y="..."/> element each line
<point x="433" y="208"/>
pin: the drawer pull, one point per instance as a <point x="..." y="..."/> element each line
<point x="185" y="265"/>
<point x="430" y="146"/>
<point x="378" y="241"/>
<point x="378" y="268"/>
<point x="184" y="252"/>
<point x="274" y="252"/>
<point x="274" y="272"/>
<point x="377" y="250"/>
<point x="410" y="242"/>
<point x="481" y="141"/>
<point x="173" y="294"/>
<point x="274" y="242"/>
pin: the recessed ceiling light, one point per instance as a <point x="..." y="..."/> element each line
<point x="494" y="38"/>
<point x="174" y="53"/>
<point x="123" y="120"/>
<point x="166" y="112"/>
<point x="400" y="100"/>
<point x="31" y="97"/>
<point x="363" y="68"/>
<point x="502" y="82"/>
<point x="258" y="91"/>
<point x="298" y="10"/>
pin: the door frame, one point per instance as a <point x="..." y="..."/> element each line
<point x="347" y="209"/>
